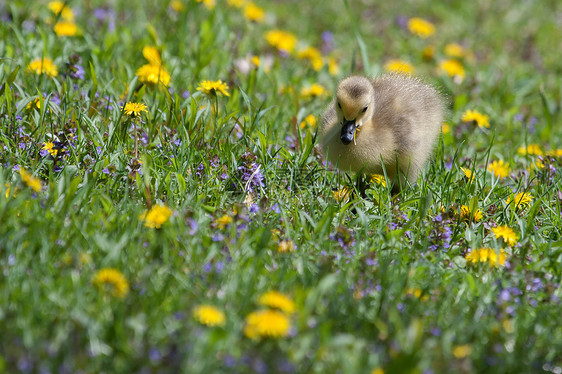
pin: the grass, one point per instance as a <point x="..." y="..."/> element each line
<point x="214" y="199"/>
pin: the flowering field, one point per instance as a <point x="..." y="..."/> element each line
<point x="165" y="208"/>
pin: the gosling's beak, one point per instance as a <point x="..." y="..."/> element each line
<point x="347" y="132"/>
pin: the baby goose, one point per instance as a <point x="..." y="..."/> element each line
<point x="392" y="120"/>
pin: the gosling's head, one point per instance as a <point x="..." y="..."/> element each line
<point x="355" y="100"/>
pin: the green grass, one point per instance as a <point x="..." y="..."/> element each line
<point x="378" y="283"/>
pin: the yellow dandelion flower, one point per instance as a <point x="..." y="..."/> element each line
<point x="521" y="200"/>
<point x="58" y="7"/>
<point x="43" y="66"/>
<point x="536" y="165"/>
<point x="8" y="187"/>
<point x="208" y="315"/>
<point x="506" y="233"/>
<point x="34" y="104"/>
<point x="236" y="3"/>
<point x="213" y="87"/>
<point x="223" y="221"/>
<point x="267" y="323"/>
<point x="282" y="40"/>
<point x="341" y="195"/>
<point x="133" y="110"/>
<point x="468" y="174"/>
<point x="152" y="55"/>
<point x="487" y="255"/>
<point x="286" y="246"/>
<point x="275" y="234"/>
<point x="445" y="128"/>
<point x="377" y="371"/>
<point x="532" y="149"/>
<point x="277" y="300"/>
<point x="499" y="168"/>
<point x="30" y="180"/>
<point x="473" y="115"/>
<point x="462" y="351"/>
<point x="416" y="292"/>
<point x="152" y="75"/>
<point x="255" y="60"/>
<point x="452" y="68"/>
<point x="455" y="50"/>
<point x="309" y="121"/>
<point x="421" y="27"/>
<point x="555" y="153"/>
<point x="507" y="325"/>
<point x="49" y="147"/>
<point x="333" y="67"/>
<point x="468" y="215"/>
<point x="254" y="13"/>
<point x="378" y="179"/>
<point x="84" y="258"/>
<point x="113" y="278"/>
<point x="65" y="28"/>
<point x="177" y="6"/>
<point x="399" y="66"/>
<point x="428" y="52"/>
<point x="156" y="216"/>
<point x="313" y="55"/>
<point x="209" y="4"/>
<point x="314" y="90"/>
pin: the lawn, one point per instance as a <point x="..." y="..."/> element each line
<point x="165" y="206"/>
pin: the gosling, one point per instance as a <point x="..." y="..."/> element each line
<point x="383" y="125"/>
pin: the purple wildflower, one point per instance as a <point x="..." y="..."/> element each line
<point x="251" y="177"/>
<point x="327" y="42"/>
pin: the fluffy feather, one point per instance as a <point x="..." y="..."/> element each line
<point x="397" y="120"/>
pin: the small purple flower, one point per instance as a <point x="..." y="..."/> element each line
<point x="154" y="355"/>
<point x="371" y="262"/>
<point x="193" y="226"/>
<point x="504" y="296"/>
<point x="78" y="73"/>
<point x="327" y="42"/>
<point x="217" y="237"/>
<point x="208" y="267"/>
<point x="229" y="361"/>
<point x="275" y="208"/>
<point x="106" y="16"/>
<point x="200" y="169"/>
<point x="219" y="267"/>
<point x="402" y="21"/>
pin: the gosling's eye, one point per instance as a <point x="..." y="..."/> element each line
<point x="365" y="109"/>
<point x="339" y="105"/>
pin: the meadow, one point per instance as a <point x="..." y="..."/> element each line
<point x="165" y="207"/>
